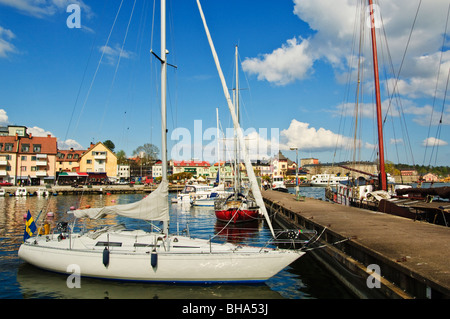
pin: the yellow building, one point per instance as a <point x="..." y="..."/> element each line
<point x="99" y="159"/>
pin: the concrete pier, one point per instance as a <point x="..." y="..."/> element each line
<point x="413" y="257"/>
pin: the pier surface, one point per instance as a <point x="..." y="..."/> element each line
<point x="413" y="255"/>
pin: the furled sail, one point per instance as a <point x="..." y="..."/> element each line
<point x="153" y="207"/>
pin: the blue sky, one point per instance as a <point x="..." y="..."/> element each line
<point x="296" y="58"/>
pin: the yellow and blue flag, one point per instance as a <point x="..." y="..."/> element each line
<point x="30" y="227"/>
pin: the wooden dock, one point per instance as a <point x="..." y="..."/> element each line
<point x="413" y="257"/>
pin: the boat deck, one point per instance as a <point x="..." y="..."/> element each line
<point x="419" y="250"/>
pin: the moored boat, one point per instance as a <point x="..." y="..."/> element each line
<point x="114" y="252"/>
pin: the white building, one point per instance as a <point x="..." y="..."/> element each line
<point x="123" y="172"/>
<point x="157" y="170"/>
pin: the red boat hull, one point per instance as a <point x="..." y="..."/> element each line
<point x="237" y="216"/>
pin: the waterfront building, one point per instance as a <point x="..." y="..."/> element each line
<point x="430" y="177"/>
<point x="196" y="168"/>
<point x="26" y="159"/>
<point x="279" y="165"/>
<point x="157" y="170"/>
<point x="309" y="161"/>
<point x="99" y="161"/>
<point x="69" y="160"/>
<point x="262" y="167"/>
<point x="226" y="171"/>
<point x="123" y="173"/>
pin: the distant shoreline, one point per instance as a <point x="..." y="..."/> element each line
<point x="89" y="189"/>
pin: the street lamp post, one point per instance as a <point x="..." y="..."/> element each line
<point x="296" y="170"/>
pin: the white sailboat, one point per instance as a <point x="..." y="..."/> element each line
<point x="157" y="256"/>
<point x="217" y="192"/>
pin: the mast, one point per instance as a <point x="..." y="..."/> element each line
<point x="251" y="174"/>
<point x="218" y="146"/>
<point x="238" y="160"/>
<point x="382" y="178"/>
<point x="163" y="100"/>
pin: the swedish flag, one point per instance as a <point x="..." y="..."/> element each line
<point x="30" y="227"/>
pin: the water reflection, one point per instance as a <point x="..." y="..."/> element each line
<point x="20" y="280"/>
<point x="35" y="282"/>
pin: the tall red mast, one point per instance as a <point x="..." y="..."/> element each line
<point x="383" y="179"/>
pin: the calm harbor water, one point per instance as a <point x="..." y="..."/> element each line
<point x="304" y="279"/>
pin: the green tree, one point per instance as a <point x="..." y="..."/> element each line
<point x="121" y="157"/>
<point x="109" y="144"/>
<point x="148" y="152"/>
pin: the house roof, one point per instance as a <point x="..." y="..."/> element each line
<point x="191" y="164"/>
<point x="63" y="155"/>
<point x="281" y="157"/>
<point x="8" y="140"/>
<point x="48" y="144"/>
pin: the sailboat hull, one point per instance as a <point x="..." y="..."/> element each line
<point x="185" y="260"/>
<point x="237" y="215"/>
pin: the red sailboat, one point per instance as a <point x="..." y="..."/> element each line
<point x="237" y="208"/>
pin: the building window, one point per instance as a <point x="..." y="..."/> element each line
<point x="23" y="158"/>
<point x="23" y="168"/>
<point x="88" y="161"/>
<point x="36" y="148"/>
<point x="25" y="148"/>
<point x="9" y="146"/>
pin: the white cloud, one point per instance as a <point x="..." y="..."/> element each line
<point x="304" y="137"/>
<point x="333" y="42"/>
<point x="424" y="76"/>
<point x="112" y="54"/>
<point x="284" y="65"/>
<point x="44" y="8"/>
<point x="6" y="47"/>
<point x="432" y="141"/>
<point x="396" y="141"/>
<point x="3" y="117"/>
<point x="68" y="144"/>
<point x="62" y="145"/>
<point x="37" y="131"/>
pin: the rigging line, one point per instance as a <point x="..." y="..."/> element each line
<point x="132" y="79"/>
<point x="437" y="82"/>
<point x="173" y="105"/>
<point x="360" y="71"/>
<point x="438" y="133"/>
<point x="406" y="49"/>
<point x="153" y="26"/>
<point x="345" y="99"/>
<point x="82" y="80"/>
<point x="99" y="63"/>
<point x="396" y="94"/>
<point x="117" y="68"/>
<point x="386" y="57"/>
